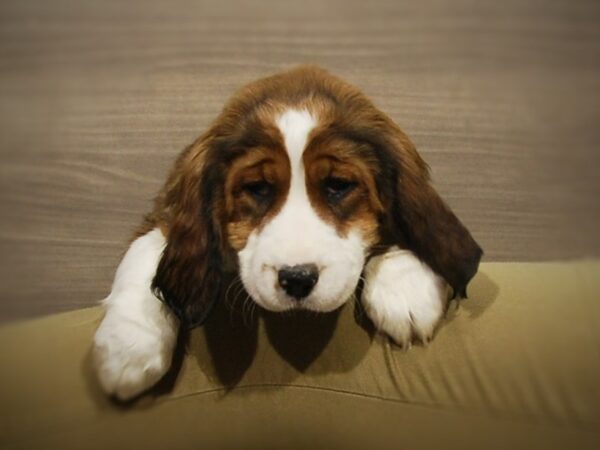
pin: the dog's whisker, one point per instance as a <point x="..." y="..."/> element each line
<point x="247" y="310"/>
<point x="235" y="286"/>
<point x="236" y="298"/>
<point x="232" y="294"/>
<point x="252" y="310"/>
<point x="237" y="280"/>
<point x="359" y="307"/>
<point x="238" y="292"/>
<point x="239" y="296"/>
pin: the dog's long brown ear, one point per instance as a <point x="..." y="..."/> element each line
<point x="188" y="278"/>
<point x="421" y="220"/>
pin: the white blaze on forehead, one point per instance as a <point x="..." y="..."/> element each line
<point x="297" y="215"/>
<point x="295" y="126"/>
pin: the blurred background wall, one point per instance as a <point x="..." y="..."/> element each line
<point x="502" y="98"/>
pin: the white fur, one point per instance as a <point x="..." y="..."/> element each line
<point x="297" y="235"/>
<point x="403" y="296"/>
<point x="134" y="344"/>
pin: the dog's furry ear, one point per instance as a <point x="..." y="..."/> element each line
<point x="188" y="277"/>
<point x="420" y="220"/>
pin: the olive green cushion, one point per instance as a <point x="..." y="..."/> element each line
<point x="517" y="364"/>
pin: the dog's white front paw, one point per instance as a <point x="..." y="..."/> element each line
<point x="403" y="296"/>
<point x="130" y="354"/>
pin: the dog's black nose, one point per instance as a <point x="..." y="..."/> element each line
<point x="298" y="280"/>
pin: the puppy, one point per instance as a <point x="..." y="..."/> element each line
<point x="301" y="185"/>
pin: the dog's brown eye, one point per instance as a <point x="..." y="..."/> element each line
<point x="259" y="190"/>
<point x="336" y="188"/>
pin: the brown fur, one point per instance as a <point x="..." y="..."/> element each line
<point x="361" y="208"/>
<point x="206" y="215"/>
<point x="244" y="214"/>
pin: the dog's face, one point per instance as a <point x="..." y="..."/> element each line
<point x="302" y="216"/>
<point x="300" y="178"/>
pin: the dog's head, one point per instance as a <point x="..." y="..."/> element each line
<point x="301" y="178"/>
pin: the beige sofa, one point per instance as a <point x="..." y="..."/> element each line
<point x="517" y="365"/>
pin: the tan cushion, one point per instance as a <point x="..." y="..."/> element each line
<point x="517" y="364"/>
